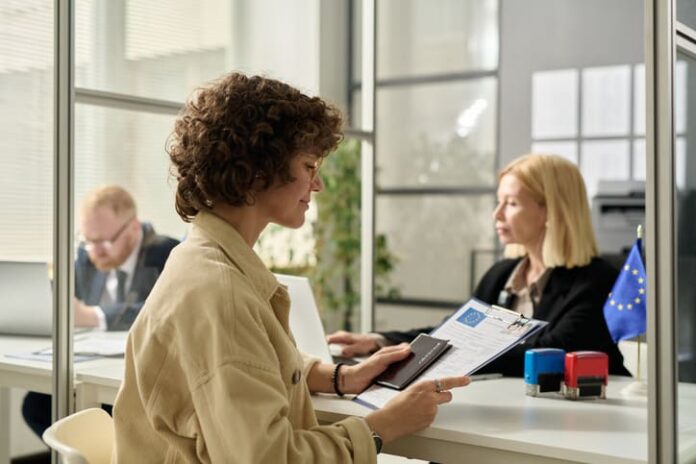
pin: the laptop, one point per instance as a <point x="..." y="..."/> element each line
<point x="305" y="322"/>
<point x="26" y="307"/>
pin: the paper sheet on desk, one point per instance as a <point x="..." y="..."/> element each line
<point x="478" y="333"/>
<point x="46" y="357"/>
<point x="85" y="347"/>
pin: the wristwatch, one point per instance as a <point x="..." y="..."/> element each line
<point x="378" y="441"/>
<point x="376" y="437"/>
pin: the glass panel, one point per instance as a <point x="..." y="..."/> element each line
<point x="686" y="12"/>
<point x="165" y="49"/>
<point x="639" y="159"/>
<point x="685" y="259"/>
<point x="606" y="101"/>
<point x="327" y="247"/>
<point x="127" y="148"/>
<point x="402" y="317"/>
<point x="639" y="99"/>
<point x="604" y="159"/>
<point x="567" y="149"/>
<point x="417" y="37"/>
<point x="437" y="134"/>
<point x="354" y="104"/>
<point x="26" y="203"/>
<point x="156" y="49"/>
<point x="450" y="234"/>
<point x="555" y="104"/>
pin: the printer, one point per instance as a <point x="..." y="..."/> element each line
<point x="617" y="209"/>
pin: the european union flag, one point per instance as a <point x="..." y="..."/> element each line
<point x="624" y="310"/>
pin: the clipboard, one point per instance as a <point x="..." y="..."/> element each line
<point x="479" y="333"/>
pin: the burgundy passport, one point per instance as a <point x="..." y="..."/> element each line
<point x="425" y="350"/>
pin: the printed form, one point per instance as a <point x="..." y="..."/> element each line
<point x="478" y="333"/>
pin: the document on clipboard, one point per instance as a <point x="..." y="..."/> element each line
<point x="478" y="333"/>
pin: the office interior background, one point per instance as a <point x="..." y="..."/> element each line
<point x="461" y="87"/>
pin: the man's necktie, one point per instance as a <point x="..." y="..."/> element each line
<point x="121" y="277"/>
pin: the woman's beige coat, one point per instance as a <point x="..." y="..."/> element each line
<point x="212" y="372"/>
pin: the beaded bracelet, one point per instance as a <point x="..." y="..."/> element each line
<point x="334" y="379"/>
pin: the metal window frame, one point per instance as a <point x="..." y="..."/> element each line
<point x="63" y="193"/>
<point x="660" y="244"/>
<point x="367" y="133"/>
<point x="66" y="96"/>
<point x="367" y="166"/>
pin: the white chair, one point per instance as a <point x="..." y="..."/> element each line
<point x="85" y="437"/>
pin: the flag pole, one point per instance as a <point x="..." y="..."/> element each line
<point x="639" y="236"/>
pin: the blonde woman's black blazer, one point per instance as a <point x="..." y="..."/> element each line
<point x="571" y="303"/>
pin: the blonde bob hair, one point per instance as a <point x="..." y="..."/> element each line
<point x="556" y="184"/>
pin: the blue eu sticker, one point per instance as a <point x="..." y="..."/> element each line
<point x="471" y="317"/>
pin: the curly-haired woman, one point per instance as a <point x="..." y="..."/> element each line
<point x="212" y="372"/>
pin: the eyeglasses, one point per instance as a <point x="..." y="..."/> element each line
<point x="316" y="168"/>
<point x="107" y="244"/>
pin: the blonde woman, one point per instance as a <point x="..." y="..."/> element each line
<point x="551" y="271"/>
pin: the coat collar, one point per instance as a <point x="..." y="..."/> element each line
<point x="237" y="250"/>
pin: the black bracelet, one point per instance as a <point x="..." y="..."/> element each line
<point x="334" y="379"/>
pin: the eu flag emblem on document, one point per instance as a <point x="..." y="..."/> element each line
<point x="624" y="310"/>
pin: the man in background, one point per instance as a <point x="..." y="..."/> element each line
<point x="118" y="262"/>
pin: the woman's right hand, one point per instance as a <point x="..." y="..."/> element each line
<point x="414" y="408"/>
<point x="355" y="344"/>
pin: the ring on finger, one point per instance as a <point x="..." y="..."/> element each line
<point x="438" y="385"/>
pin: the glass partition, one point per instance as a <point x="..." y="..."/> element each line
<point x="26" y="202"/>
<point x="685" y="265"/>
<point x="153" y="49"/>
<point x="686" y="13"/>
<point x="436" y="153"/>
<point x="326" y="249"/>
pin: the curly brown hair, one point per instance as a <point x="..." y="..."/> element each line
<point x="241" y="131"/>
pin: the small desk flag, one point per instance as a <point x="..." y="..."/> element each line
<point x="624" y="310"/>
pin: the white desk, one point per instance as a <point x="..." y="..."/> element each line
<point x="488" y="422"/>
<point x="31" y="375"/>
<point x="492" y="421"/>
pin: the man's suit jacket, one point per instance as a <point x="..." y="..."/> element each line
<point x="571" y="303"/>
<point x="90" y="282"/>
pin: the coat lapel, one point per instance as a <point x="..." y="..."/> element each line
<point x="97" y="288"/>
<point x="557" y="288"/>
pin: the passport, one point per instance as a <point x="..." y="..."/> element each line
<point x="425" y="350"/>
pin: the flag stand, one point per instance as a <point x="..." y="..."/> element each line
<point x="638" y="388"/>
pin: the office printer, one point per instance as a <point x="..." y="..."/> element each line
<point x="617" y="209"/>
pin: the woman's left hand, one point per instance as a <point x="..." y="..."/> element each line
<point x="358" y="377"/>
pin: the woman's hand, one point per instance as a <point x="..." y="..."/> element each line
<point x="354" y="379"/>
<point x="355" y="344"/>
<point x="414" y="408"/>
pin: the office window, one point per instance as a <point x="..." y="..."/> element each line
<point x="127" y="148"/>
<point x="26" y="129"/>
<point x="436" y="153"/>
<point x="684" y="260"/>
<point x="437" y="134"/>
<point x="422" y="37"/>
<point x="435" y="239"/>
<point x="155" y="49"/>
<point x="598" y="120"/>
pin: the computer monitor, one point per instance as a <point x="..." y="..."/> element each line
<point x="305" y="322"/>
<point x="25" y="298"/>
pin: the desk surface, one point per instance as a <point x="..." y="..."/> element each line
<point x="497" y="414"/>
<point x="35" y="374"/>
<point x="495" y="417"/>
<point x="487" y="421"/>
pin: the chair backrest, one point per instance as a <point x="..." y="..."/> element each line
<point x="85" y="437"/>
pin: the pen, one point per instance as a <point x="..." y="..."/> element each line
<point x="476" y="377"/>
